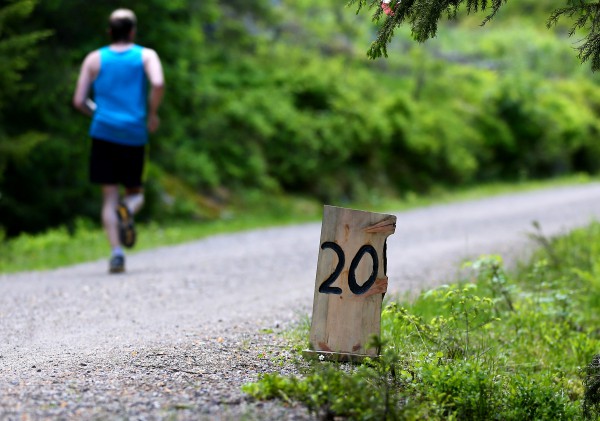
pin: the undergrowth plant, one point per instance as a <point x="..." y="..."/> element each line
<point x="498" y="345"/>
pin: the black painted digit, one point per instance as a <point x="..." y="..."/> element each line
<point x="361" y="289"/>
<point x="385" y="257"/>
<point x="326" y="287"/>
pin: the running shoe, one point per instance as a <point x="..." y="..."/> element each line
<point x="116" y="264"/>
<point x="126" y="228"/>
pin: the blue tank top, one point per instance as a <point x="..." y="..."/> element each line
<point x="120" y="93"/>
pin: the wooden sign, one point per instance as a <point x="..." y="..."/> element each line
<point x="350" y="283"/>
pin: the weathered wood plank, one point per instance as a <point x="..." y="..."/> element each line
<point x="350" y="281"/>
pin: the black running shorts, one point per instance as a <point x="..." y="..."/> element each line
<point x="112" y="163"/>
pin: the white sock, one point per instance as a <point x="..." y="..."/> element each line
<point x="118" y="251"/>
<point x="134" y="202"/>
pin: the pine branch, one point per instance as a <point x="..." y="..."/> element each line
<point x="423" y="17"/>
<point x="587" y="18"/>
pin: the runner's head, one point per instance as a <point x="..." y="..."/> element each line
<point x="122" y="23"/>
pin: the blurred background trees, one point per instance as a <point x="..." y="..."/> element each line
<point x="278" y="97"/>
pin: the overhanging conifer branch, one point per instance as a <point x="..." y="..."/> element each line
<point x="423" y="17"/>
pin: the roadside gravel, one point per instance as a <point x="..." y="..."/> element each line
<point x="179" y="333"/>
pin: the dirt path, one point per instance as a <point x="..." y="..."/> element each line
<point x="178" y="334"/>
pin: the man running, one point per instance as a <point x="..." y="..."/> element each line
<point x="123" y="113"/>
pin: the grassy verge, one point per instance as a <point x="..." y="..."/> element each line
<point x="437" y="196"/>
<point x="59" y="247"/>
<point x="495" y="346"/>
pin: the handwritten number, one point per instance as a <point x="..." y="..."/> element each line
<point x="326" y="287"/>
<point x="385" y="257"/>
<point x="354" y="287"/>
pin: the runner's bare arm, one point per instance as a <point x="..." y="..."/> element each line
<point x="87" y="75"/>
<point x="154" y="72"/>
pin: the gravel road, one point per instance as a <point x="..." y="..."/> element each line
<point x="176" y="336"/>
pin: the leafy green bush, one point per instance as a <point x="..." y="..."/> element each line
<point x="279" y="98"/>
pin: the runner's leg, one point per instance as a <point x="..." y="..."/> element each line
<point x="110" y="221"/>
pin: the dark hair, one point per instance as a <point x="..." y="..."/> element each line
<point x="120" y="28"/>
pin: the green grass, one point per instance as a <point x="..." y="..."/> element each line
<point x="412" y="200"/>
<point x="57" y="247"/>
<point x="506" y="346"/>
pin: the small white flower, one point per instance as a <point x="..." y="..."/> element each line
<point x="321" y="357"/>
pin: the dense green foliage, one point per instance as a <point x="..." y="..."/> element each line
<point x="497" y="346"/>
<point x="269" y="98"/>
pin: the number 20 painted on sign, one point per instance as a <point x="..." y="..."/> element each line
<point x="326" y="288"/>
